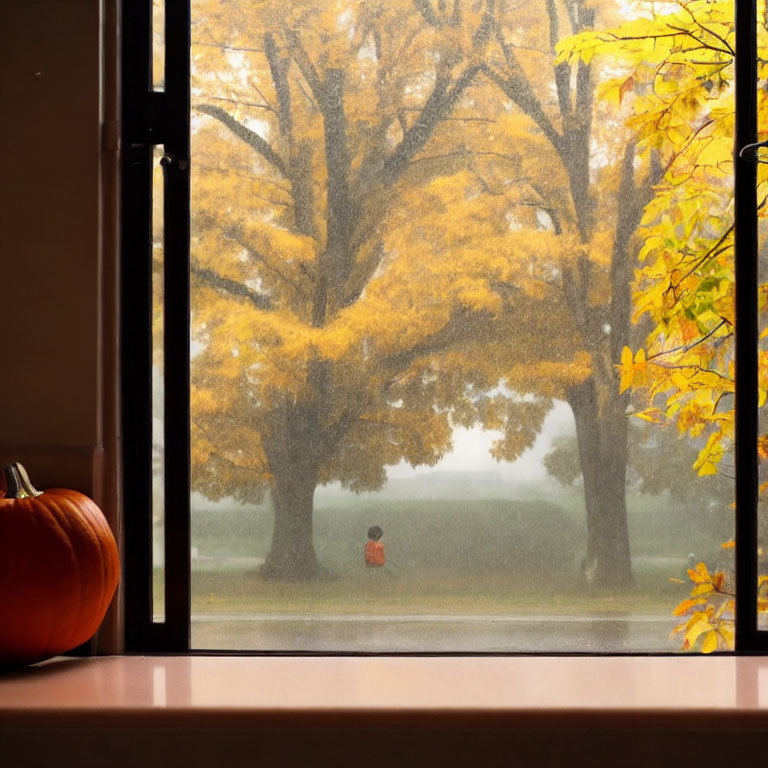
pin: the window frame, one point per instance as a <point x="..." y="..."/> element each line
<point x="748" y="638"/>
<point x="151" y="118"/>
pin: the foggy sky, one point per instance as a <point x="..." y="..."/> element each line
<point x="471" y="451"/>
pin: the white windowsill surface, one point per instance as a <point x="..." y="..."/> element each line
<point x="547" y="689"/>
<point x="306" y="711"/>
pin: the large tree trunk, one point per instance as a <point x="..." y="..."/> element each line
<point x="602" y="441"/>
<point x="292" y="553"/>
<point x="293" y="453"/>
<point x="598" y="408"/>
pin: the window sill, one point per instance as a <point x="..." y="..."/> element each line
<point x="533" y="699"/>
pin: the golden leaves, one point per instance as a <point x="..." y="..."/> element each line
<point x="480" y="225"/>
<point x="633" y="370"/>
<point x="685" y="283"/>
<point x="710" y="456"/>
<point x="686" y="605"/>
<point x="710" y="624"/>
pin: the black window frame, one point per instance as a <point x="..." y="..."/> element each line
<point x="151" y="118"/>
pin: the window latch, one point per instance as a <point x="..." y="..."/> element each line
<point x="168" y="160"/>
<point x="749" y="151"/>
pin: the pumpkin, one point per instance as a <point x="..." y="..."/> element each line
<point x="59" y="568"/>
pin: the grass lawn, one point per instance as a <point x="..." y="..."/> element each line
<point x="452" y="557"/>
<point x="432" y="592"/>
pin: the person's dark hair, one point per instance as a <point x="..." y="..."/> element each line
<point x="375" y="532"/>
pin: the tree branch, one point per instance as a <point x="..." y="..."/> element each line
<point x="707" y="30"/>
<point x="570" y="8"/>
<point x="305" y="65"/>
<point x="424" y="7"/>
<point x="440" y="102"/>
<point x="463" y="324"/>
<point x="258" y="257"/>
<point x="299" y="158"/>
<point x="517" y="88"/>
<point x="551" y="210"/>
<point x="362" y="274"/>
<point x="456" y="15"/>
<point x="251" y="138"/>
<point x="483" y="33"/>
<point x="342" y="211"/>
<point x="255" y="104"/>
<point x="277" y="69"/>
<point x="692" y="345"/>
<point x="227" y="47"/>
<point x="562" y="70"/>
<point x="232" y="287"/>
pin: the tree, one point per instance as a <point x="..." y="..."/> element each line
<point x="681" y="60"/>
<point x="659" y="461"/>
<point x="684" y="111"/>
<point x="588" y="187"/>
<point x="429" y="236"/>
<point x="340" y="310"/>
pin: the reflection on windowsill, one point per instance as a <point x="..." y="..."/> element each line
<point x="702" y="689"/>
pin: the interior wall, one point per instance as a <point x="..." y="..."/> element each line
<point x="49" y="237"/>
<point x="58" y="276"/>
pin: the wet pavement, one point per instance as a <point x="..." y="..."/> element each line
<point x="363" y="633"/>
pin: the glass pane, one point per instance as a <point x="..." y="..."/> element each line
<point x="461" y="326"/>
<point x="158" y="45"/>
<point x="158" y="394"/>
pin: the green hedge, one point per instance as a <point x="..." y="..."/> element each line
<point x="475" y="535"/>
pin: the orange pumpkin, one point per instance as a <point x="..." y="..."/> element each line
<point x="59" y="568"/>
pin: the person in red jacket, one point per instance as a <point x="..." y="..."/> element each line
<point x="374" y="548"/>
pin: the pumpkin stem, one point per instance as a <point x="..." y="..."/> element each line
<point x="17" y="483"/>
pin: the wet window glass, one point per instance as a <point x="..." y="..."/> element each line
<point x="462" y="325"/>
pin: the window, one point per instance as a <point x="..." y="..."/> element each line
<point x="413" y="285"/>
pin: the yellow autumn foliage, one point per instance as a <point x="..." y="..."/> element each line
<point x="399" y="210"/>
<point x="677" y="74"/>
